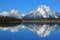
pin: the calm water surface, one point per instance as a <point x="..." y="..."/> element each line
<point x="31" y="32"/>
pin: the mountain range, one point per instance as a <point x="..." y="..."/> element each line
<point x="42" y="11"/>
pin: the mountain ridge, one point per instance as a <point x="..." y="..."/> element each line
<point x="42" y="11"/>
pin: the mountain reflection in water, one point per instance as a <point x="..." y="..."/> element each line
<point x="42" y="30"/>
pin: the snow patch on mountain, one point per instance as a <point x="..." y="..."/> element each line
<point x="41" y="12"/>
<point x="12" y="13"/>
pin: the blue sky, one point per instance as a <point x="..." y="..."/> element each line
<point x="25" y="6"/>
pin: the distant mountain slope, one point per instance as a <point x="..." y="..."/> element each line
<point x="12" y="13"/>
<point x="41" y="12"/>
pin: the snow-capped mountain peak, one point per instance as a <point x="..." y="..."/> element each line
<point x="41" y="12"/>
<point x="12" y="13"/>
<point x="43" y="8"/>
<point x="4" y="13"/>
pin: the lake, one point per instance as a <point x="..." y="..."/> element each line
<point x="31" y="32"/>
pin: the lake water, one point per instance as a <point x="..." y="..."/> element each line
<point x="31" y="32"/>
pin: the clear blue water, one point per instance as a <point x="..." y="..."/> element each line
<point x="26" y="34"/>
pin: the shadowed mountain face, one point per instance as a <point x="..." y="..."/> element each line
<point x="9" y="21"/>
